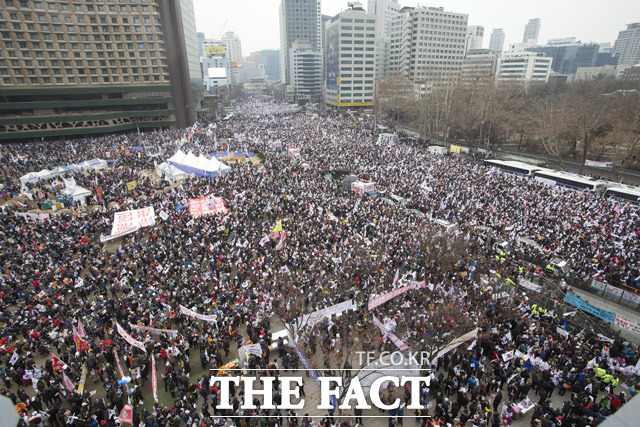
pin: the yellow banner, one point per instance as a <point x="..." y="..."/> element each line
<point x="215" y="50"/>
<point x="455" y="149"/>
<point x="83" y="379"/>
<point x="131" y="185"/>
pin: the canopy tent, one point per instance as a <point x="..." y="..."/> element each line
<point x="198" y="166"/>
<point x="78" y="194"/>
<point x="30" y="177"/>
<point x="169" y="172"/>
<point x="95" y="164"/>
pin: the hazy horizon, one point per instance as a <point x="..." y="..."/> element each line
<point x="257" y="24"/>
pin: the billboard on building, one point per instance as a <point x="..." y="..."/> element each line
<point x="217" y="73"/>
<point x="333" y="56"/>
<point x="215" y="50"/>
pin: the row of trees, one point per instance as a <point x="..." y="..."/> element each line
<point x="595" y="119"/>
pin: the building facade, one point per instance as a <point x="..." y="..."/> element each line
<point x="496" y="42"/>
<point x="627" y="45"/>
<point x="299" y="21"/>
<point x="568" y="55"/>
<point x="351" y="59"/>
<point x="305" y="65"/>
<point x="427" y="45"/>
<point x="234" y="47"/>
<point x="531" y="32"/>
<point x="519" y="66"/>
<point x="475" y="34"/>
<point x="384" y="11"/>
<point x="216" y="67"/>
<point x="270" y="60"/>
<point x="77" y="68"/>
<point x="479" y="67"/>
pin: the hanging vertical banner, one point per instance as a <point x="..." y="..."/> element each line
<point x="154" y="384"/>
<point x="83" y="379"/>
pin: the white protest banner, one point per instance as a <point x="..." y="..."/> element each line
<point x="170" y="332"/>
<point x="315" y="317"/>
<point x="115" y="236"/>
<point x="126" y="220"/>
<point x="164" y="215"/>
<point x="627" y="324"/>
<point x="394" y="339"/>
<point x="530" y="285"/>
<point x="381" y="299"/>
<point x="206" y="317"/>
<point x="128" y="338"/>
<point x="206" y="205"/>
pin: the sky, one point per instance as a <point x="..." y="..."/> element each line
<point x="257" y="24"/>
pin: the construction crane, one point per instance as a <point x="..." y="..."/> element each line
<point x="223" y="25"/>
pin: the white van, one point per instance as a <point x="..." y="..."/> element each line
<point x="437" y="149"/>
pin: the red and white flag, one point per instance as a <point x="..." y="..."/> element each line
<point x="126" y="415"/>
<point x="81" y="344"/>
<point x="81" y="332"/>
<point x="68" y="384"/>
<point x="58" y="365"/>
<point x="280" y="244"/>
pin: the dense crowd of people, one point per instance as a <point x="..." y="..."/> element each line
<point x="64" y="293"/>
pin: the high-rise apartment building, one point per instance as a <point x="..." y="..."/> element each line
<point x="301" y="21"/>
<point x="627" y="46"/>
<point x="496" y="42"/>
<point x="234" y="47"/>
<point x="77" y="68"/>
<point x="305" y="65"/>
<point x="427" y="45"/>
<point x="531" y="32"/>
<point x="475" y="34"/>
<point x="351" y="58"/>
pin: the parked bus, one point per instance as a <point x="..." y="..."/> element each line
<point x="569" y="180"/>
<point x="624" y="193"/>
<point x="510" y="166"/>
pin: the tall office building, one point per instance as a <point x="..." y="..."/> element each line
<point x="201" y="39"/>
<point x="71" y="68"/>
<point x="418" y="50"/>
<point x="234" y="47"/>
<point x="301" y="21"/>
<point x="568" y="54"/>
<point x="479" y="67"/>
<point x="475" y="34"/>
<point x="351" y="47"/>
<point x="496" y="42"/>
<point x="270" y="60"/>
<point x="627" y="46"/>
<point x="385" y="11"/>
<point x="531" y="32"/>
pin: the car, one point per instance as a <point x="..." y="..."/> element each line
<point x="373" y="194"/>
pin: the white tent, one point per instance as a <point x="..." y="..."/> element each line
<point x="30" y="177"/>
<point x="197" y="165"/>
<point x="170" y="173"/>
<point x="78" y="194"/>
<point x="44" y="174"/>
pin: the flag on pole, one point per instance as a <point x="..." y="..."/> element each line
<point x="58" y="364"/>
<point x="68" y="384"/>
<point x="277" y="229"/>
<point x="126" y="415"/>
<point x="284" y="269"/>
<point x="281" y="242"/>
<point x="264" y="240"/>
<point x="14" y="358"/>
<point x="81" y="344"/>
